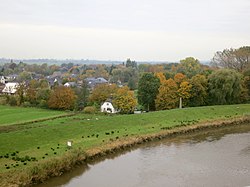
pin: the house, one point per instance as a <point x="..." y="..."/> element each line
<point x="54" y="81"/>
<point x="12" y="77"/>
<point x="10" y="88"/>
<point x="3" y="79"/>
<point x="70" y="84"/>
<point x="92" y="82"/>
<point x="108" y="107"/>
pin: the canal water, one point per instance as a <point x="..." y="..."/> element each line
<point x="218" y="157"/>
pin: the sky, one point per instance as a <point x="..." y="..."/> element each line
<point x="142" y="30"/>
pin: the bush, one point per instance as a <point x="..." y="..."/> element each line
<point x="43" y="104"/>
<point x="89" y="110"/>
<point x="3" y="100"/>
<point x="26" y="104"/>
<point x="12" y="100"/>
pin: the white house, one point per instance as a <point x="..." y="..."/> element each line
<point x="3" y="79"/>
<point x="10" y="88"/>
<point x="70" y="84"/>
<point x="108" y="107"/>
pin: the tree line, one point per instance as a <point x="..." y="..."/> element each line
<point x="145" y="86"/>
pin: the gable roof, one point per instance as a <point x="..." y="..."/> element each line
<point x="94" y="81"/>
<point x="10" y="88"/>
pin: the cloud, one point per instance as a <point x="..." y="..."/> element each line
<point x="118" y="29"/>
<point x="29" y="41"/>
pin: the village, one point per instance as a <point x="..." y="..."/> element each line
<point x="124" y="88"/>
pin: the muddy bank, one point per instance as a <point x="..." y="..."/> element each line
<point x="57" y="166"/>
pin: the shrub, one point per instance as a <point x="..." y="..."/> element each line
<point x="26" y="104"/>
<point x="3" y="100"/>
<point x="12" y="100"/>
<point x="43" y="104"/>
<point x="89" y="110"/>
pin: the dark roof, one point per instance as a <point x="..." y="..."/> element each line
<point x="94" y="81"/>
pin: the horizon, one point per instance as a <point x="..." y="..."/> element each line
<point x="87" y="61"/>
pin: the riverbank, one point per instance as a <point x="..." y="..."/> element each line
<point x="117" y="133"/>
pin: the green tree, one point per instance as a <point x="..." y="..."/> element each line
<point x="224" y="87"/>
<point x="189" y="66"/>
<point x="24" y="76"/>
<point x="147" y="90"/>
<point x="245" y="97"/>
<point x="198" y="91"/>
<point x="130" y="63"/>
<point x="21" y="89"/>
<point x="31" y="91"/>
<point x="82" y="96"/>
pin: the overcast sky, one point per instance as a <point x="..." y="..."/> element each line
<point x="164" y="30"/>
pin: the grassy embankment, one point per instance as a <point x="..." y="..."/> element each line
<point x="38" y="150"/>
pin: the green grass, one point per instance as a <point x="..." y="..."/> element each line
<point x="14" y="115"/>
<point x="43" y="139"/>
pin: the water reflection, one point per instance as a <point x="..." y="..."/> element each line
<point x="215" y="157"/>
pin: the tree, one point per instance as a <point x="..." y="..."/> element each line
<point x="167" y="97"/>
<point x="132" y="83"/>
<point x="189" y="66"/>
<point x="21" y="93"/>
<point x="184" y="92"/>
<point x="43" y="95"/>
<point x="102" y="92"/>
<point x="100" y="71"/>
<point x="237" y="59"/>
<point x="198" y="91"/>
<point x="82" y="96"/>
<point x="24" y="76"/>
<point x="130" y="63"/>
<point x="179" y="78"/>
<point x="183" y="87"/>
<point x="161" y="77"/>
<point x="62" y="98"/>
<point x="245" y="94"/>
<point x="147" y="90"/>
<point x="31" y="91"/>
<point x="124" y="100"/>
<point x="224" y="87"/>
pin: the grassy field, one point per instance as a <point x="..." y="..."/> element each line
<point x="37" y="142"/>
<point x="14" y="115"/>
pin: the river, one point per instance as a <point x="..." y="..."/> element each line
<point x="217" y="157"/>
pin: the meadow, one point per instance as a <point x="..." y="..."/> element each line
<point x="36" y="143"/>
<point x="16" y="115"/>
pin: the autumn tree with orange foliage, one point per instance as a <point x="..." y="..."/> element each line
<point x="184" y="92"/>
<point x="179" y="78"/>
<point x="167" y="97"/>
<point x="161" y="77"/>
<point x="62" y="98"/>
<point x="124" y="100"/>
<point x="102" y="92"/>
